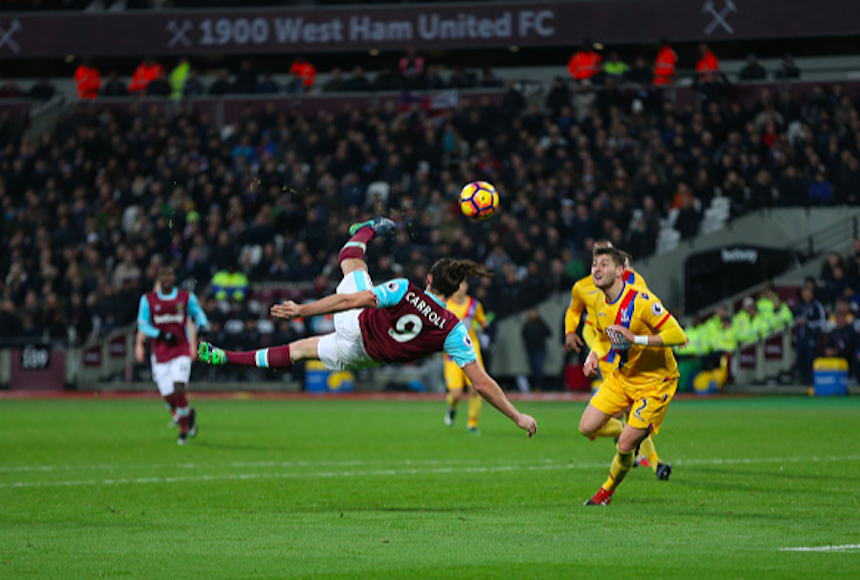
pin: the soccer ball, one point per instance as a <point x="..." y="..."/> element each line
<point x="479" y="200"/>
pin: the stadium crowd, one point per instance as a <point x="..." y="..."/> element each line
<point x="90" y="210"/>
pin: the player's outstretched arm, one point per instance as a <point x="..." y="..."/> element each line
<point x="329" y="305"/>
<point x="492" y="392"/>
<point x="670" y="334"/>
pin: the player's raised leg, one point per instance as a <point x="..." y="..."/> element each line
<point x="351" y="256"/>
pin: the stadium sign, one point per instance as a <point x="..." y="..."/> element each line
<point x="35" y="357"/>
<point x="448" y="26"/>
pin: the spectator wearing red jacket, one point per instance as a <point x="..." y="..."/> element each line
<point x="585" y="63"/>
<point x="145" y="73"/>
<point x="88" y="80"/>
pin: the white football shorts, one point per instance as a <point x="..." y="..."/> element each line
<point x="165" y="374"/>
<point x="343" y="349"/>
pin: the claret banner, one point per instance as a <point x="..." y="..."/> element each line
<point x="451" y="26"/>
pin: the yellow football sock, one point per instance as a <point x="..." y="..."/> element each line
<point x="647" y="449"/>
<point x="452" y="402"/>
<point x="621" y="464"/>
<point x="474" y="409"/>
<point x="611" y="429"/>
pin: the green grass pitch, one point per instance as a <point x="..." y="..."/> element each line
<point x="381" y="489"/>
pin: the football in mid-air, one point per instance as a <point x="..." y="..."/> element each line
<point x="479" y="200"/>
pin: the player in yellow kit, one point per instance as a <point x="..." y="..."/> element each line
<point x="641" y="333"/>
<point x="583" y="297"/>
<point x="471" y="313"/>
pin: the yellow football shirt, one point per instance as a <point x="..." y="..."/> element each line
<point x="471" y="314"/>
<point x="643" y="314"/>
<point x="584" y="296"/>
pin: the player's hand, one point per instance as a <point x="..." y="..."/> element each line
<point x="573" y="341"/>
<point x="527" y="423"/>
<point x="591" y="364"/>
<point x="288" y="310"/>
<point x="139" y="352"/>
<point x="168" y="337"/>
<point x="623" y="331"/>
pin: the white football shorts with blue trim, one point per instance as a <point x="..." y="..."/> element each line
<point x="343" y="349"/>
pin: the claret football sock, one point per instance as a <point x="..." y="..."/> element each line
<point x="355" y="248"/>
<point x="265" y="358"/>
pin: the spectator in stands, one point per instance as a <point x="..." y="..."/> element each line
<point x="513" y="102"/>
<point x="752" y="70"/>
<point x="641" y="240"/>
<point x="43" y="90"/>
<point x="641" y="73"/>
<point x="745" y="323"/>
<point x="558" y="96"/>
<point x="245" y="81"/>
<point x="268" y="86"/>
<point x="145" y="73"/>
<point x="411" y="69"/>
<point x="222" y="85"/>
<point x="230" y="284"/>
<point x="841" y="342"/>
<point x="664" y="64"/>
<point x="615" y="67"/>
<point x="489" y="80"/>
<point x="178" y="78"/>
<point x="810" y="319"/>
<point x="689" y="218"/>
<point x="193" y="87"/>
<point x="88" y="80"/>
<point x="158" y="87"/>
<point x="336" y="82"/>
<point x="788" y="70"/>
<point x="585" y="63"/>
<point x="114" y="87"/>
<point x="535" y="333"/>
<point x="357" y="82"/>
<point x="820" y="191"/>
<point x="461" y="79"/>
<point x="708" y="64"/>
<point x="302" y="76"/>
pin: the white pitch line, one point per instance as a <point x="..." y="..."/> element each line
<point x="234" y="464"/>
<point x="294" y="475"/>
<point x="360" y="462"/>
<point x="547" y="466"/>
<point x="845" y="548"/>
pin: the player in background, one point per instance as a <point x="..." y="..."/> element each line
<point x="471" y="313"/>
<point x="393" y="322"/>
<point x="584" y="296"/>
<point x="641" y="334"/>
<point x="163" y="316"/>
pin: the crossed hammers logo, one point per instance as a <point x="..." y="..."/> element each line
<point x="6" y="36"/>
<point x="719" y="17"/>
<point x="179" y="32"/>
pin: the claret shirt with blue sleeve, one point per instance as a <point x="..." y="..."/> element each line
<point x="409" y="324"/>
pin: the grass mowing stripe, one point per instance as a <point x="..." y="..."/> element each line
<point x="393" y="472"/>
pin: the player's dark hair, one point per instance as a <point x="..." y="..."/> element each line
<point x="448" y="273"/>
<point x="616" y="255"/>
